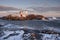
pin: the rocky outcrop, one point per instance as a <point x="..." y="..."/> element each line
<point x="28" y="17"/>
<point x="10" y="17"/>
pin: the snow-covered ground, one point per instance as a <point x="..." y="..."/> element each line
<point x="26" y="32"/>
<point x="8" y="36"/>
<point x="7" y="33"/>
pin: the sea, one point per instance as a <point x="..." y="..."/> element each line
<point x="30" y="29"/>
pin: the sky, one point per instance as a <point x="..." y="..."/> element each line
<point x="34" y="3"/>
<point x="30" y="3"/>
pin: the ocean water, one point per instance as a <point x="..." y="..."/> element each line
<point x="30" y="30"/>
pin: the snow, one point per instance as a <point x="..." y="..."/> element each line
<point x="26" y="36"/>
<point x="7" y="33"/>
<point x="21" y="33"/>
<point x="49" y="36"/>
<point x="18" y="37"/>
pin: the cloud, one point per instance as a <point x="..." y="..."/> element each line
<point x="46" y="11"/>
<point x="6" y="8"/>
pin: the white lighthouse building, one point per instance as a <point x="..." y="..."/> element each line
<point x="23" y="13"/>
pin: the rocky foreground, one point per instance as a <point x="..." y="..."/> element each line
<point x="29" y="35"/>
<point x="10" y="32"/>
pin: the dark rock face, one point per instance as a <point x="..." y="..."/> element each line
<point x="39" y="17"/>
<point x="10" y="17"/>
<point x="28" y="17"/>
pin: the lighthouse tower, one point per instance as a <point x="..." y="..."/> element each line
<point x="23" y="13"/>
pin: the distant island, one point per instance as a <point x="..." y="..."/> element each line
<point x="28" y="17"/>
<point x="24" y="16"/>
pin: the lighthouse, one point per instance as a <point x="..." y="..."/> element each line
<point x="23" y="13"/>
